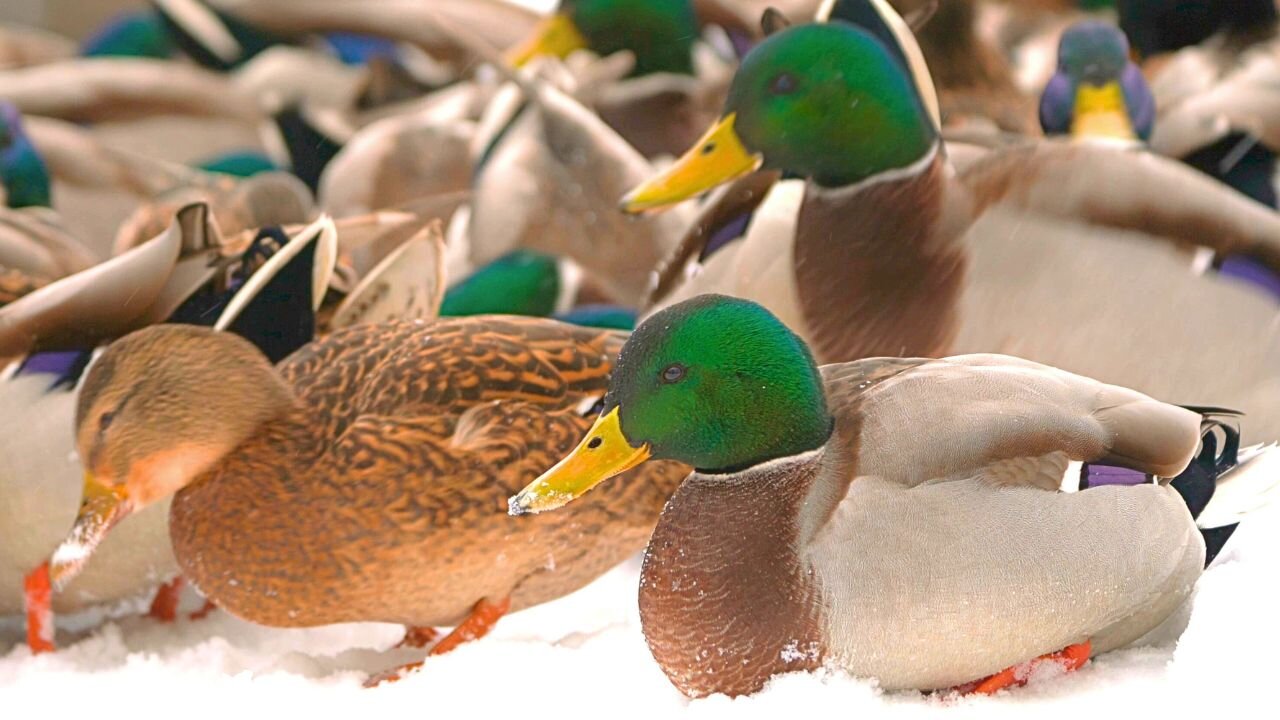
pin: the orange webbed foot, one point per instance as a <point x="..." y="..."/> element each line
<point x="418" y="637"/>
<point x="484" y="615"/>
<point x="37" y="595"/>
<point x="164" y="606"/>
<point x="1070" y="659"/>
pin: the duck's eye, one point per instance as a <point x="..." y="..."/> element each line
<point x="104" y="420"/>
<point x="783" y="84"/>
<point x="673" y="373"/>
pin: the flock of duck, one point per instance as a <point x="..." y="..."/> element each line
<point x="362" y="350"/>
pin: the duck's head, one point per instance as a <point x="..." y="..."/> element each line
<point x="1094" y="52"/>
<point x="159" y="408"/>
<point x="522" y="282"/>
<point x="714" y="382"/>
<point x="1096" y="91"/>
<point x="22" y="171"/>
<point x="660" y="33"/>
<point x="828" y="102"/>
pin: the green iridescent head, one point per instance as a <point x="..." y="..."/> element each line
<point x="522" y="282"/>
<point x="718" y="383"/>
<point x="660" y="33"/>
<point x="829" y="102"/>
<point x="22" y="171"/>
<point x="714" y="382"/>
<point x="134" y="34"/>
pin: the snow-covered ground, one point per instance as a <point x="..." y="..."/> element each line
<point x="584" y="655"/>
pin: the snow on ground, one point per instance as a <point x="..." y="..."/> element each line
<point x="584" y="655"/>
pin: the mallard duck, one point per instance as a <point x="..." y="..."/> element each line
<point x="660" y="33"/>
<point x="1097" y="91"/>
<point x="671" y="89"/>
<point x="535" y="284"/>
<point x="821" y="527"/>
<point x="1213" y="72"/>
<point x="406" y="438"/>
<point x="188" y="274"/>
<point x="1048" y="251"/>
<point x="24" y="178"/>
<point x="139" y="33"/>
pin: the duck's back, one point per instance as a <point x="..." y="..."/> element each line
<point x="952" y="555"/>
<point x="391" y="506"/>
<point x="1081" y="258"/>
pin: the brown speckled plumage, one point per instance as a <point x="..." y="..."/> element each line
<point x="378" y="492"/>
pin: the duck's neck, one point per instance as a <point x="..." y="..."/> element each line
<point x="878" y="267"/>
<point x="726" y="599"/>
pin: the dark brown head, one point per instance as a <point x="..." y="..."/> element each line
<point x="159" y="408"/>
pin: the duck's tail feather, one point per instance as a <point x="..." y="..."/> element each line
<point x="1226" y="482"/>
<point x="1253" y="484"/>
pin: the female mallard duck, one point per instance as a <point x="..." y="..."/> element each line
<point x="187" y="274"/>
<point x="1048" y="251"/>
<point x="821" y="527"/>
<point x="375" y="465"/>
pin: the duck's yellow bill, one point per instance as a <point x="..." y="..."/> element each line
<point x="1101" y="112"/>
<point x="718" y="158"/>
<point x="556" y="35"/>
<point x="102" y="507"/>
<point x="603" y="453"/>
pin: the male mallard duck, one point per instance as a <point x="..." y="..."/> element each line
<point x="660" y="33"/>
<point x="670" y="91"/>
<point x="534" y="284"/>
<point x="368" y="472"/>
<point x="1097" y="91"/>
<point x="1049" y="251"/>
<point x="186" y="275"/>
<point x="24" y="178"/>
<point x="139" y="33"/>
<point x="820" y="526"/>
